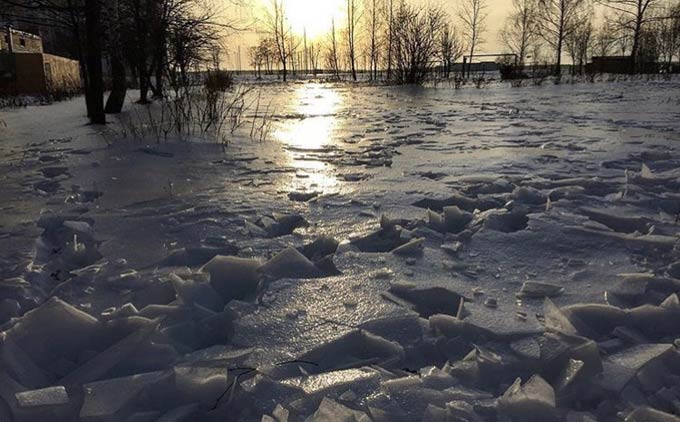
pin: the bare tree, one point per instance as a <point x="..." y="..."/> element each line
<point x="633" y="16"/>
<point x="520" y="29"/>
<point x="332" y="53"/>
<point x="389" y="18"/>
<point x="353" y="17"/>
<point x="374" y="29"/>
<point x="451" y="48"/>
<point x="669" y="33"/>
<point x="416" y="41"/>
<point x="604" y="38"/>
<point x="557" y="19"/>
<point x="279" y="30"/>
<point x="472" y="14"/>
<point x="578" y="44"/>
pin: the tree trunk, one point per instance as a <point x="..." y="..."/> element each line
<point x="636" y="45"/>
<point x="95" y="87"/>
<point x="114" y="103"/>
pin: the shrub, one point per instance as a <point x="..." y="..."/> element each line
<point x="218" y="81"/>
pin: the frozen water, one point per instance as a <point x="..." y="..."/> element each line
<point x="384" y="255"/>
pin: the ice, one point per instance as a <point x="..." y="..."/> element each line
<point x="558" y="348"/>
<point x="40" y="333"/>
<point x="412" y="248"/>
<point x="430" y="301"/>
<point x="525" y="196"/>
<point x="196" y="256"/>
<point x="203" y="386"/>
<point x="353" y="349"/>
<point x="534" y="400"/>
<point x="533" y="290"/>
<point x="180" y="414"/>
<point x="647" y="414"/>
<point x="290" y="263"/>
<point x="595" y="319"/>
<point x="51" y="396"/>
<point x="116" y="399"/>
<point x="197" y="291"/>
<point x="621" y="367"/>
<point x="99" y="365"/>
<point x="455" y="220"/>
<point x="282" y="224"/>
<point x="330" y="410"/>
<point x="232" y="277"/>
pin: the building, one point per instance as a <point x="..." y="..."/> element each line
<point x="26" y="69"/>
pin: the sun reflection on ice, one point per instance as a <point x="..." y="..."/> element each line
<point x="307" y="135"/>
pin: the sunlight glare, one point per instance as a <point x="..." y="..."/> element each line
<point x="314" y="16"/>
<point x="309" y="135"/>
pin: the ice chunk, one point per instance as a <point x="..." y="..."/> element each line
<point x="114" y="400"/>
<point x="290" y="263"/>
<point x="655" y="321"/>
<point x="430" y="301"/>
<point x="232" y="277"/>
<point x="459" y="410"/>
<point x="557" y="348"/>
<point x="9" y="308"/>
<point x="595" y="319"/>
<point x="580" y="417"/>
<point x="200" y="385"/>
<point x="412" y="248"/>
<point x="647" y="414"/>
<point x="532" y="289"/>
<point x="184" y="413"/>
<point x="196" y="256"/>
<point x="283" y="224"/>
<point x="570" y="375"/>
<point x="320" y="248"/>
<point x="535" y="400"/>
<point x="20" y="365"/>
<point x="353" y="349"/>
<point x="193" y="291"/>
<point x="41" y="333"/>
<point x="556" y="320"/>
<point x="51" y="396"/>
<point x="529" y="195"/>
<point x="455" y="220"/>
<point x="505" y="221"/>
<point x="621" y="367"/>
<point x="434" y="414"/>
<point x="330" y="410"/>
<point x="386" y="239"/>
<point x="453" y="327"/>
<point x="103" y="362"/>
<point x="527" y="348"/>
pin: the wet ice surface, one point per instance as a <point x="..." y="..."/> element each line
<point x="395" y="247"/>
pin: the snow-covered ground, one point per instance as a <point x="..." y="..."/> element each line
<point x="395" y="247"/>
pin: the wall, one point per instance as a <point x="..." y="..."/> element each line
<point x="61" y="74"/>
<point x="38" y="74"/>
<point x="31" y="43"/>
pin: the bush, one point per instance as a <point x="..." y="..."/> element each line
<point x="218" y="81"/>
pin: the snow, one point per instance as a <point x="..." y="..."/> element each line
<point x="388" y="254"/>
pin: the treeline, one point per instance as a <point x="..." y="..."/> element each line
<point x="150" y="41"/>
<point x="403" y="42"/>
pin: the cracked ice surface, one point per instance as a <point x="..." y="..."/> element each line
<point x="389" y="254"/>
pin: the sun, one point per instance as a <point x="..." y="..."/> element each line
<point x="314" y="17"/>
